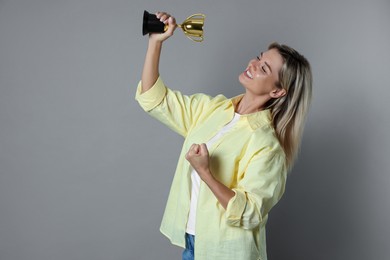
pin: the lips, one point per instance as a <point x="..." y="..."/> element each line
<point x="248" y="74"/>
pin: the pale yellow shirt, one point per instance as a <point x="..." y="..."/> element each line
<point x="249" y="160"/>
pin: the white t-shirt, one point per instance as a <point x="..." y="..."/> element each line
<point x="195" y="179"/>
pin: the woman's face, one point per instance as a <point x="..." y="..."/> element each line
<point x="262" y="73"/>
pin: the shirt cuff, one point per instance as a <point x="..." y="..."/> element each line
<point x="235" y="208"/>
<point x="153" y="96"/>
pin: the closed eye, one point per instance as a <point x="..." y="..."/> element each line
<point x="262" y="67"/>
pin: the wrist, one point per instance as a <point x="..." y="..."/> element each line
<point x="206" y="176"/>
<point x="155" y="43"/>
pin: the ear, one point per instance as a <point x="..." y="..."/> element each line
<point x="278" y="93"/>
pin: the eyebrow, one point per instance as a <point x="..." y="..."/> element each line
<point x="266" y="63"/>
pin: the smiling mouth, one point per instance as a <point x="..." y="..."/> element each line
<point x="248" y="74"/>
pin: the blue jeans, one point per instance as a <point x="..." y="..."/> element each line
<point x="189" y="252"/>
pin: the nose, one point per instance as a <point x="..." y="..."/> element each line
<point x="253" y="64"/>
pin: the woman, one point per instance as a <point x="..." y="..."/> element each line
<point x="233" y="166"/>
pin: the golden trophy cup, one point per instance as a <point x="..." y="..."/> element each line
<point x="192" y="26"/>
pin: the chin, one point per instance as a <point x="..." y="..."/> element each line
<point x="242" y="80"/>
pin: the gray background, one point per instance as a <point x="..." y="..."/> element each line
<point x="84" y="173"/>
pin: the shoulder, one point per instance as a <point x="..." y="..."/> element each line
<point x="216" y="100"/>
<point x="211" y="103"/>
<point x="265" y="141"/>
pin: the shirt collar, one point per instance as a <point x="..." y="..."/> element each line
<point x="256" y="119"/>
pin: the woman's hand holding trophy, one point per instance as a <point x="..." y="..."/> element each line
<point x="164" y="25"/>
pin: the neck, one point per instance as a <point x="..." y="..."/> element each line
<point x="250" y="104"/>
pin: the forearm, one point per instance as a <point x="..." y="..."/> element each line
<point x="221" y="192"/>
<point x="150" y="71"/>
<point x="198" y="157"/>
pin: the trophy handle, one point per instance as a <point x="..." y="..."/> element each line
<point x="202" y="16"/>
<point x="194" y="38"/>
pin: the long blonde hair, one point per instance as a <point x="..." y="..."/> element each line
<point x="289" y="112"/>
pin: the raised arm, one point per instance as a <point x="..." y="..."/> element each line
<point x="150" y="71"/>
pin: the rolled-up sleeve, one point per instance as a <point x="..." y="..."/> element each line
<point x="261" y="187"/>
<point x="179" y="112"/>
<point x="152" y="97"/>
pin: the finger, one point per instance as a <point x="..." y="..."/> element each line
<point x="196" y="148"/>
<point x="203" y="149"/>
<point x="191" y="152"/>
<point x="171" y="25"/>
<point x="173" y="20"/>
<point x="164" y="18"/>
<point x="159" y="14"/>
<point x="188" y="156"/>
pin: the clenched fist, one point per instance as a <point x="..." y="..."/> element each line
<point x="198" y="157"/>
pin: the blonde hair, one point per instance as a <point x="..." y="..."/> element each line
<point x="289" y="112"/>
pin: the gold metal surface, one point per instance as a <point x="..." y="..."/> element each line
<point x="192" y="27"/>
